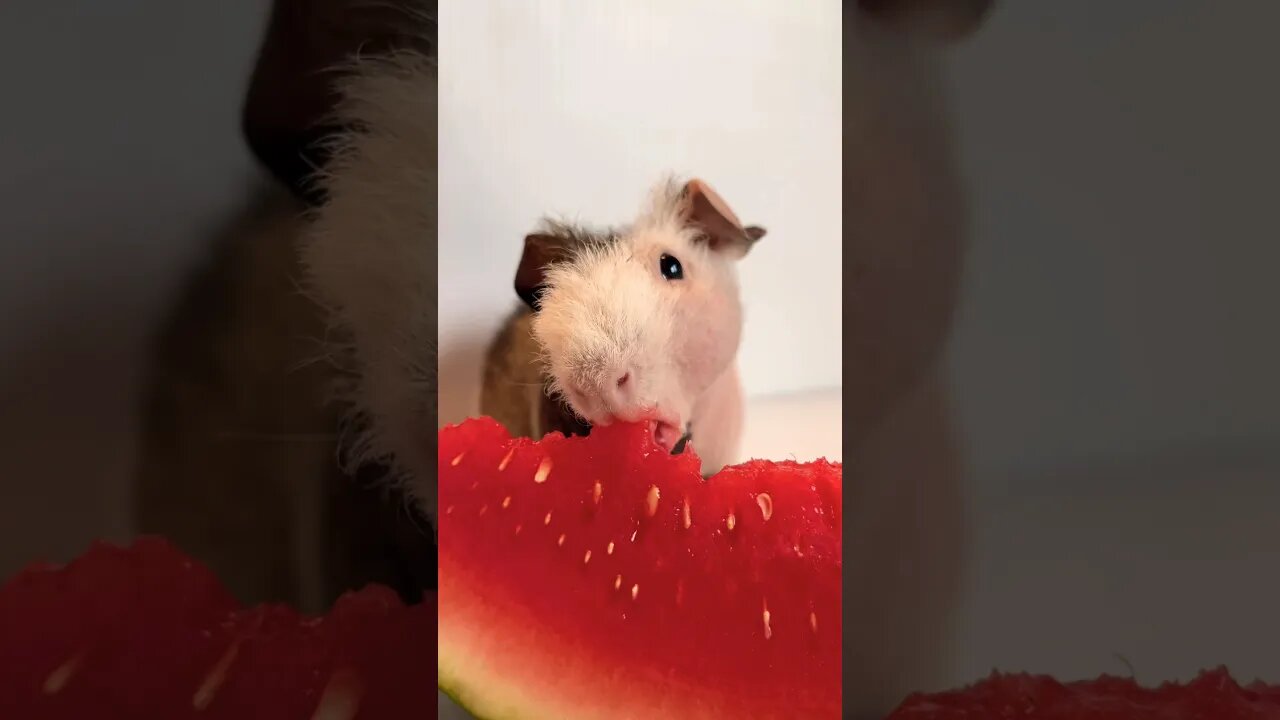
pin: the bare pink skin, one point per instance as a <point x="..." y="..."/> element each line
<point x="718" y="427"/>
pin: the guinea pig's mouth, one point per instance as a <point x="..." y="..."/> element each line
<point x="669" y="436"/>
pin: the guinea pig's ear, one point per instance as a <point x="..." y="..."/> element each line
<point x="292" y="90"/>
<point x="938" y="20"/>
<point x="721" y="228"/>
<point x="540" y="251"/>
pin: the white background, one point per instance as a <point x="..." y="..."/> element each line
<point x="547" y="110"/>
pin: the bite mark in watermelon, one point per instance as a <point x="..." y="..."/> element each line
<point x="1213" y="695"/>
<point x="601" y="577"/>
<point x="146" y="632"/>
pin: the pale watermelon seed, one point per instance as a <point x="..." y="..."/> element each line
<point x="766" y="505"/>
<point x="506" y="502"/>
<point x="484" y="509"/>
<point x="688" y="518"/>
<point x="213" y="681"/>
<point x="62" y="674"/>
<point x="651" y="501"/>
<point x="518" y="527"/>
<point x="560" y="542"/>
<point x="586" y="558"/>
<point x="547" y="520"/>
<point x="609" y="549"/>
<point x="596" y="492"/>
<point x="448" y="510"/>
<point x="458" y="458"/>
<point x="617" y="582"/>
<point x="544" y="469"/>
<point x="506" y="459"/>
<point x="797" y="549"/>
<point x="813" y="621"/>
<point x="635" y="590"/>
<point x="731" y="520"/>
<point x="768" y="630"/>
<point x="633" y="535"/>
<point x="341" y="697"/>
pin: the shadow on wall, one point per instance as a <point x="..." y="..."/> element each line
<point x="461" y="368"/>
<point x="65" y="446"/>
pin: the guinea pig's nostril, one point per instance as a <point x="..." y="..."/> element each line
<point x="626" y="377"/>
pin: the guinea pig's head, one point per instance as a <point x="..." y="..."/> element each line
<point x="636" y="323"/>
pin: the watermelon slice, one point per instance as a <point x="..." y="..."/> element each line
<point x="601" y="577"/>
<point x="1213" y="695"/>
<point x="146" y="632"/>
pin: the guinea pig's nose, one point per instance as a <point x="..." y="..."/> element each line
<point x="620" y="391"/>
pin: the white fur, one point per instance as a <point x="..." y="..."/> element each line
<point x="609" y="312"/>
<point x="371" y="258"/>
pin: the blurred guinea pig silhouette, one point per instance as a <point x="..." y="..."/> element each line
<point x="291" y="404"/>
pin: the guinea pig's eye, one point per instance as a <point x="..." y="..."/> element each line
<point x="670" y="267"/>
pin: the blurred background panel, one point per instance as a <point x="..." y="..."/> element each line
<point x="120" y="157"/>
<point x="1116" y="354"/>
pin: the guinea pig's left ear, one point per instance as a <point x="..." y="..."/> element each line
<point x="721" y="228"/>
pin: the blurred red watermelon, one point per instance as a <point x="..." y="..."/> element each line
<point x="1213" y="695"/>
<point x="146" y="632"/>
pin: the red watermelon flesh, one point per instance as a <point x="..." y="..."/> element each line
<point x="602" y="577"/>
<point x="1213" y="695"/>
<point x="145" y="632"/>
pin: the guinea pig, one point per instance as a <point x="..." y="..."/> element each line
<point x="637" y="323"/>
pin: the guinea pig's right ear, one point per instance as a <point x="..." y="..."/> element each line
<point x="937" y="20"/>
<point x="540" y="251"/>
<point x="708" y="211"/>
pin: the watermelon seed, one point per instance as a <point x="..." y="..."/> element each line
<point x="213" y="681"/>
<point x="62" y="674"/>
<point x="768" y="631"/>
<point x="633" y="534"/>
<point x="766" y="505"/>
<point x="617" y="582"/>
<point x="458" y="458"/>
<point x="506" y="502"/>
<point x="609" y="550"/>
<point x="547" y="519"/>
<point x="596" y="492"/>
<point x="586" y="558"/>
<point x="544" y="469"/>
<point x="651" y="500"/>
<point x="341" y="697"/>
<point x="484" y="509"/>
<point x="688" y="519"/>
<point x="797" y="549"/>
<point x="518" y="526"/>
<point x="506" y="459"/>
<point x="813" y="621"/>
<point x="635" y="590"/>
<point x="731" y="520"/>
<point x="448" y="510"/>
<point x="560" y="542"/>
